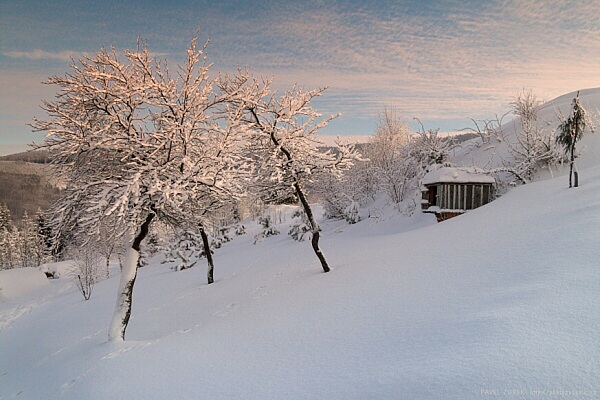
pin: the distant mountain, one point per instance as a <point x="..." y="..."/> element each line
<point x="27" y="186"/>
<point x="33" y="156"/>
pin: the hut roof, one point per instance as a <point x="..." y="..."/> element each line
<point x="457" y="175"/>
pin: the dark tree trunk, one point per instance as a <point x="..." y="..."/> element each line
<point x="209" y="259"/>
<point x="571" y="169"/>
<point x="572" y="163"/>
<point x="313" y="226"/>
<point x="107" y="271"/>
<point x="122" y="313"/>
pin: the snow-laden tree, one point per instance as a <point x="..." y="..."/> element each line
<point x="184" y="250"/>
<point x="532" y="147"/>
<point x="106" y="243"/>
<point x="427" y="148"/>
<point x="341" y="196"/>
<point x="201" y="217"/>
<point x="29" y="243"/>
<point x="5" y="217"/>
<point x="136" y="142"/>
<point x="387" y="152"/>
<point x="7" y="239"/>
<point x="87" y="269"/>
<point x="280" y="135"/>
<point x="570" y="131"/>
<point x="21" y="245"/>
<point x="45" y="236"/>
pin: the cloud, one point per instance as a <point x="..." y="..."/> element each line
<point x="39" y="54"/>
<point x="65" y="55"/>
<point x="438" y="60"/>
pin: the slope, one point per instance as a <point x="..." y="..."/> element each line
<point x="494" y="153"/>
<point x="502" y="298"/>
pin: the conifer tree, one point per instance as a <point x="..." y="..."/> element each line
<point x="570" y="131"/>
<point x="8" y="241"/>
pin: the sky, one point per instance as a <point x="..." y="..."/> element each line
<point x="440" y="61"/>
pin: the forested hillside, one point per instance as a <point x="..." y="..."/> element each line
<point x="26" y="186"/>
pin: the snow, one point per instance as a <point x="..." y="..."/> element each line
<point x="500" y="302"/>
<point x="59" y="269"/>
<point x="18" y="282"/>
<point x="502" y="298"/>
<point x="330" y="140"/>
<point x="456" y="175"/>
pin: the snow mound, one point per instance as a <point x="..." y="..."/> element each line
<point x="19" y="282"/>
<point x="58" y="269"/>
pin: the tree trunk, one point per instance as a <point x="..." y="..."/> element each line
<point x="314" y="227"/>
<point x="107" y="267"/>
<point x="209" y="259"/>
<point x="572" y="164"/>
<point x="571" y="169"/>
<point x="118" y="325"/>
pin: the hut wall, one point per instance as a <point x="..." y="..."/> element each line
<point x="455" y="196"/>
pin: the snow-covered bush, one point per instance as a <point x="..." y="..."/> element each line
<point x="184" y="251"/>
<point x="221" y="237"/>
<point x="87" y="270"/>
<point x="240" y="229"/>
<point x="351" y="213"/>
<point x="532" y="147"/>
<point x="268" y="228"/>
<point x="387" y="152"/>
<point x="399" y="159"/>
<point x="300" y="229"/>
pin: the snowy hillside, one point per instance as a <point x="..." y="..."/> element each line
<point x="502" y="299"/>
<point x="491" y="155"/>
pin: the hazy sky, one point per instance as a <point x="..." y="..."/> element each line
<point x="441" y="61"/>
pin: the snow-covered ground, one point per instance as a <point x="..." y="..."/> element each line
<point x="501" y="302"/>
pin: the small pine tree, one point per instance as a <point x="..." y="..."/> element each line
<point x="300" y="229"/>
<point x="268" y="228"/>
<point x="184" y="251"/>
<point x="5" y="218"/>
<point x="7" y="252"/>
<point x="570" y="132"/>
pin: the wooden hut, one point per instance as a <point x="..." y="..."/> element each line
<point x="448" y="192"/>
